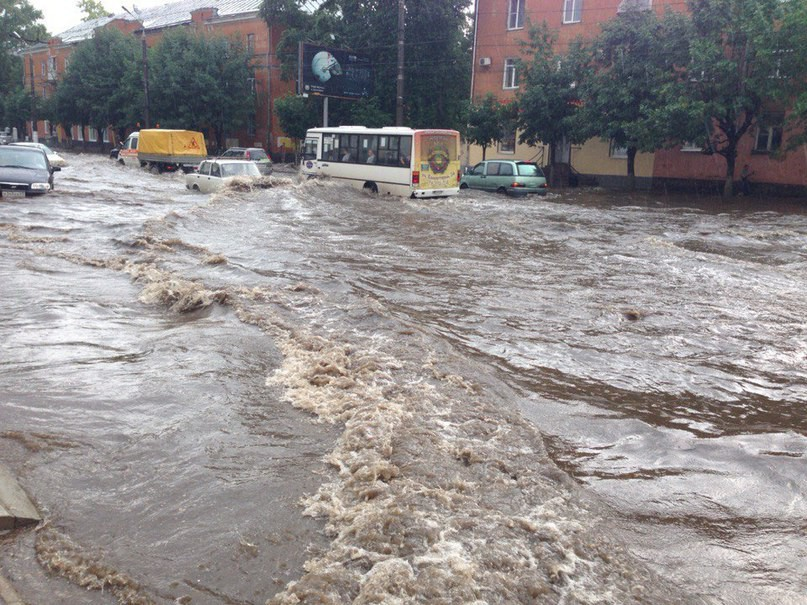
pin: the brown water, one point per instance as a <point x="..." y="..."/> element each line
<point x="306" y="394"/>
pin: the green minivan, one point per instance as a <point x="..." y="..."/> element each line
<point x="505" y="176"/>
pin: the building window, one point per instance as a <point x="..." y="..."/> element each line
<point x="250" y="43"/>
<point x="769" y="134"/>
<point x="572" y="10"/>
<point x="92" y="134"/>
<point x="620" y="153"/>
<point x="508" y="142"/>
<point x="106" y="135"/>
<point x="66" y="63"/>
<point x="52" y="68"/>
<point x="515" y="16"/>
<point x="79" y="133"/>
<point x="691" y="146"/>
<point x="510" y="76"/>
<point x="44" y="69"/>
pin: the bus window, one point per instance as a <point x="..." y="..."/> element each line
<point x="367" y="149"/>
<point x="348" y="147"/>
<point x="310" y="149"/>
<point x="405" y="150"/>
<point x="329" y="151"/>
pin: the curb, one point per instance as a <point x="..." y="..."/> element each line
<point x="8" y="596"/>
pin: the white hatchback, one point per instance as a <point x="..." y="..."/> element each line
<point x="54" y="158"/>
<point x="212" y="175"/>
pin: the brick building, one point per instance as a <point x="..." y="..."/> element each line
<point x="500" y="28"/>
<point x="44" y="64"/>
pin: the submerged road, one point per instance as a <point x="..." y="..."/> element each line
<point x="308" y="394"/>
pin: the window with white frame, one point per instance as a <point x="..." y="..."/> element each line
<point x="619" y="153"/>
<point x="79" y="133"/>
<point x="572" y="11"/>
<point x="105" y="132"/>
<point x="508" y="142"/>
<point x="515" y="16"/>
<point x="92" y="134"/>
<point x="769" y="133"/>
<point x="691" y="146"/>
<point x="510" y="75"/>
<point x="250" y="43"/>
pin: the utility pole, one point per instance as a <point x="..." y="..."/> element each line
<point x="34" y="133"/>
<point x="399" y="98"/>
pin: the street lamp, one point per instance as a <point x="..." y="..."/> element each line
<point x="145" y="64"/>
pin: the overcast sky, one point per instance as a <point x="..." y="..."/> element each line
<point x="64" y="14"/>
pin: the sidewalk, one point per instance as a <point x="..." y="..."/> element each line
<point x="16" y="509"/>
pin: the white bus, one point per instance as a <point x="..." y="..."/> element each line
<point x="389" y="161"/>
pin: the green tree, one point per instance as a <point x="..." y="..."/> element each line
<point x="548" y="102"/>
<point x="747" y="59"/>
<point x="92" y="9"/>
<point x="296" y="115"/>
<point x="793" y="32"/>
<point x="436" y="52"/>
<point x="18" y="29"/>
<point x="368" y="112"/>
<point x="485" y="123"/>
<point x="16" y="108"/>
<point x="102" y="85"/>
<point x="633" y="61"/>
<point x="198" y="81"/>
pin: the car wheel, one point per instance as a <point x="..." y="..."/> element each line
<point x="371" y="187"/>
<point x="501" y="190"/>
<point x="121" y="162"/>
<point x="463" y="186"/>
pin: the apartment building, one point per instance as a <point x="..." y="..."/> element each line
<point x="44" y="64"/>
<point x="500" y="28"/>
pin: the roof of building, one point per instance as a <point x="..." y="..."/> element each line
<point x="157" y="17"/>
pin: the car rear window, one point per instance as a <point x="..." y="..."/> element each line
<point x="529" y="170"/>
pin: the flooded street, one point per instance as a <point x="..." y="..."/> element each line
<point x="305" y="394"/>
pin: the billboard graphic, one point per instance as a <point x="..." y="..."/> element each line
<point x="334" y="72"/>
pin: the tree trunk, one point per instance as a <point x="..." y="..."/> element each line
<point x="731" y="163"/>
<point x="632" y="168"/>
<point x="484" y="151"/>
<point x="552" y="182"/>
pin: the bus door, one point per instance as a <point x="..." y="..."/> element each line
<point x="310" y="162"/>
<point x="319" y="150"/>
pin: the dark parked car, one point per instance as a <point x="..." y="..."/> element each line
<point x="254" y="154"/>
<point x="24" y="171"/>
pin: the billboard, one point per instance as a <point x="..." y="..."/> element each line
<point x="334" y="72"/>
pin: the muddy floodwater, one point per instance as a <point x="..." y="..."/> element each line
<point x="306" y="394"/>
